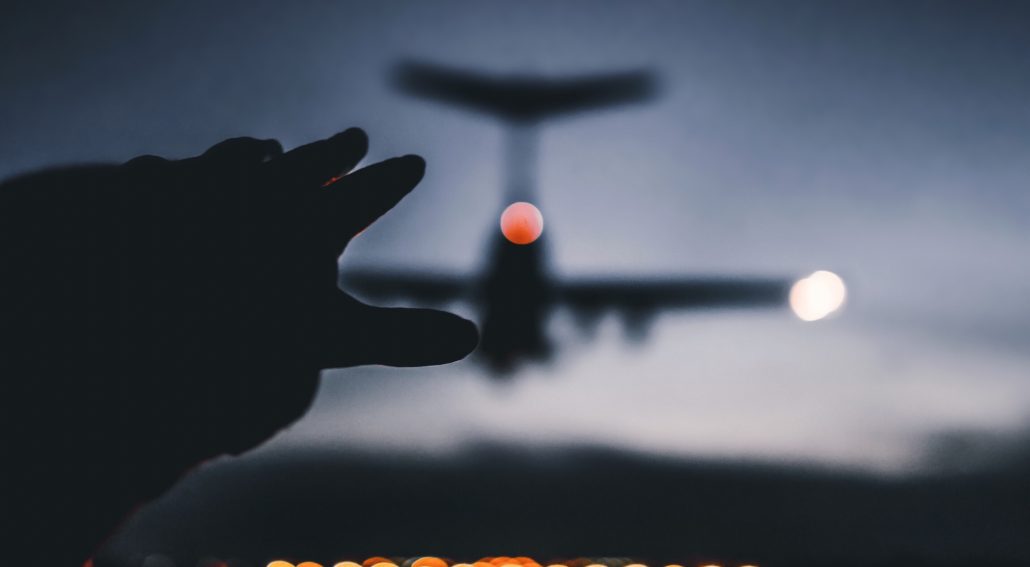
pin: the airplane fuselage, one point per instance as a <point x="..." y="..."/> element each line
<point x="515" y="299"/>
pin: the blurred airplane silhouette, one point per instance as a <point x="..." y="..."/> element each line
<point x="516" y="292"/>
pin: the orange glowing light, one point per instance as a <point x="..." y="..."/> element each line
<point x="521" y="223"/>
<point x="429" y="562"/>
<point x="347" y="564"/>
<point x="373" y="560"/>
<point x="280" y="564"/>
<point x="385" y="564"/>
<point x="308" y="564"/>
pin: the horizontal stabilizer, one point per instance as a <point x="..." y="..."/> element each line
<point x="524" y="98"/>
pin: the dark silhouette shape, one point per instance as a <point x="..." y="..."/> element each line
<point x="158" y="313"/>
<point x="524" y="98"/>
<point x="517" y="292"/>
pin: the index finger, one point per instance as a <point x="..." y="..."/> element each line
<point x="310" y="166"/>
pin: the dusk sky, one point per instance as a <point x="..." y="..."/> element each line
<point x="886" y="141"/>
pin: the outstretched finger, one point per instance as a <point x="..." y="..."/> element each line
<point x="243" y="151"/>
<point x="348" y="206"/>
<point x="312" y="165"/>
<point x="397" y="337"/>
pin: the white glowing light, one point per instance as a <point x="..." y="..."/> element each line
<point x="817" y="296"/>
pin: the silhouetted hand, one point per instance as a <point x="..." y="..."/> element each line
<point x="161" y="312"/>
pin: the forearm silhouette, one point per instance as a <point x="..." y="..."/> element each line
<point x="159" y="313"/>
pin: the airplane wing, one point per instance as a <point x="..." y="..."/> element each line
<point x="424" y="287"/>
<point x="661" y="293"/>
<point x="625" y="295"/>
<point x="638" y="300"/>
<point x="522" y="98"/>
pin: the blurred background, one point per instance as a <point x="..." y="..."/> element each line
<point x="885" y="141"/>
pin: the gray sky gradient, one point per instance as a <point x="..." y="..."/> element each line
<point x="886" y="141"/>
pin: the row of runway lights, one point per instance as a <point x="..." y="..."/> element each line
<point x="485" y="562"/>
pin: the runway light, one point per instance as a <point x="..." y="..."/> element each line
<point x="817" y="296"/>
<point x="522" y="223"/>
